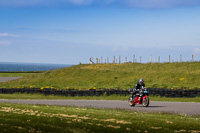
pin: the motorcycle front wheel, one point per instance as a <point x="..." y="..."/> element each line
<point x="130" y="101"/>
<point x="146" y="102"/>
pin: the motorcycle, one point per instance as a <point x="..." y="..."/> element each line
<point x="141" y="97"/>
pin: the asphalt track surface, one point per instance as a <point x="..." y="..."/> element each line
<point x="154" y="106"/>
<point x="6" y="79"/>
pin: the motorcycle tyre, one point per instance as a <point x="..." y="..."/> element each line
<point x="146" y="102"/>
<point x="130" y="103"/>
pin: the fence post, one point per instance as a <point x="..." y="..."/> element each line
<point x="96" y="60"/>
<point x="180" y="58"/>
<point x="150" y="58"/>
<point x="90" y="61"/>
<point x="192" y="58"/>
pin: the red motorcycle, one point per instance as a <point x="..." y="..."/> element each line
<point x="141" y="97"/>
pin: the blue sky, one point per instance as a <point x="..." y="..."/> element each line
<point x="72" y="31"/>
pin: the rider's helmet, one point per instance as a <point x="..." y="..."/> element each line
<point x="141" y="82"/>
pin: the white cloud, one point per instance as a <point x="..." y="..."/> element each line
<point x="23" y="3"/>
<point x="8" y="35"/>
<point x="120" y="49"/>
<point x="161" y="3"/>
<point x="80" y="2"/>
<point x="129" y="3"/>
<point x="45" y="3"/>
<point x="3" y="34"/>
<point x="196" y="51"/>
<point x="5" y="43"/>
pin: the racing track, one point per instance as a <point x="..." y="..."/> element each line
<point x="168" y="107"/>
<point x="6" y="79"/>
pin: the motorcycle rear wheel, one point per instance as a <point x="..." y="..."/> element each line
<point x="146" y="102"/>
<point x="130" y="102"/>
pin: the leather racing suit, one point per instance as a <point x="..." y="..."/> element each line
<point x="136" y="87"/>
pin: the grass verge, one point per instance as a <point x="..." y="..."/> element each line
<point x="40" y="118"/>
<point x="112" y="97"/>
<point x="156" y="75"/>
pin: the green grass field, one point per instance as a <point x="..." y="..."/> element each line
<point x="163" y="75"/>
<point x="39" y="118"/>
<point x="112" y="97"/>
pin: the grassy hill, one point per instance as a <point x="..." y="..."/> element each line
<point x="164" y="75"/>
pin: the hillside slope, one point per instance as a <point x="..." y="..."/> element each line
<point x="164" y="75"/>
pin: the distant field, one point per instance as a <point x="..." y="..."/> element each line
<point x="124" y="76"/>
<point x="40" y="118"/>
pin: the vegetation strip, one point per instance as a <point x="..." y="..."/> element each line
<point x="156" y="75"/>
<point x="32" y="118"/>
<point x="100" y="92"/>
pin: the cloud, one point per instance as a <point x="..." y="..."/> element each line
<point x="8" y="35"/>
<point x="126" y="3"/>
<point x="196" y="51"/>
<point x="43" y="3"/>
<point x="3" y="34"/>
<point x="161" y="3"/>
<point x="5" y="43"/>
<point x="120" y="49"/>
<point x="79" y="2"/>
<point x="24" y="3"/>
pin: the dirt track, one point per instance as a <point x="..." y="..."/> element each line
<point x="169" y="107"/>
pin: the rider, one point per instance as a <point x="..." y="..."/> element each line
<point x="137" y="86"/>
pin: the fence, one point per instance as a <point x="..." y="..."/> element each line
<point x="100" y="92"/>
<point x="118" y="60"/>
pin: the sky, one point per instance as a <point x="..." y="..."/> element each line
<point x="72" y="31"/>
